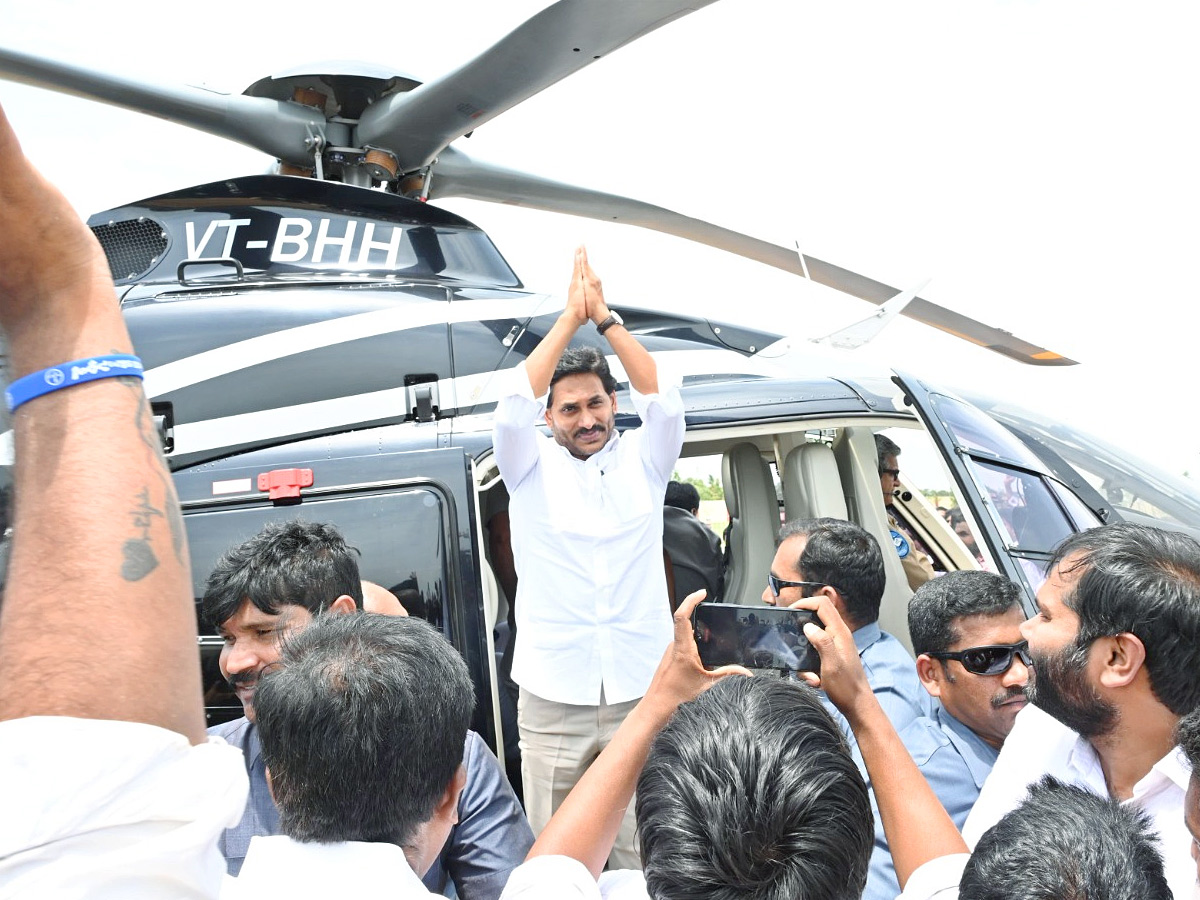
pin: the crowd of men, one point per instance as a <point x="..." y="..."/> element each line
<point x="1050" y="757"/>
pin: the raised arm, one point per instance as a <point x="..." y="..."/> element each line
<point x="917" y="826"/>
<point x="639" y="364"/>
<point x="539" y="365"/>
<point x="97" y="620"/>
<point x="586" y="824"/>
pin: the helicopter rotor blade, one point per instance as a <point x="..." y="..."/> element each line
<point x="561" y="39"/>
<point x="457" y="175"/>
<point x="281" y="129"/>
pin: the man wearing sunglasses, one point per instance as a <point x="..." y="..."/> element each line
<point x="1116" y="656"/>
<point x="839" y="560"/>
<point x="966" y="632"/>
<point x="918" y="566"/>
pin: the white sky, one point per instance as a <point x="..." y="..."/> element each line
<point x="1037" y="159"/>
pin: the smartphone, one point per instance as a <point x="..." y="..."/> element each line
<point x="757" y="637"/>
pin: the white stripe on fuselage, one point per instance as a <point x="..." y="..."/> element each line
<point x="278" y="345"/>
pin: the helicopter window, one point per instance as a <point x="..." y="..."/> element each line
<point x="1080" y="513"/>
<point x="979" y="434"/>
<point x="1023" y="507"/>
<point x="1127" y="482"/>
<point x="400" y="536"/>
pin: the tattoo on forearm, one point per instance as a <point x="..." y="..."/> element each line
<point x="138" y="555"/>
<point x="139" y="558"/>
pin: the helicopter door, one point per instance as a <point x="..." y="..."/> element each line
<point x="410" y="515"/>
<point x="1022" y="510"/>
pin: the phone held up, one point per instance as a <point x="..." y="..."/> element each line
<point x="757" y="637"/>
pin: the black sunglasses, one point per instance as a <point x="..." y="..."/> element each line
<point x="895" y="473"/>
<point x="995" y="659"/>
<point x="778" y="584"/>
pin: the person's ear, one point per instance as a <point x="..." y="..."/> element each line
<point x="613" y="398"/>
<point x="270" y="784"/>
<point x="549" y="421"/>
<point x="828" y="590"/>
<point x="448" y="804"/>
<point x="1123" y="656"/>
<point x="342" y="605"/>
<point x="930" y="674"/>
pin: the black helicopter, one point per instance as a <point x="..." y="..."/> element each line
<point x="322" y="343"/>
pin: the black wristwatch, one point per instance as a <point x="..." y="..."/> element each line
<point x="613" y="319"/>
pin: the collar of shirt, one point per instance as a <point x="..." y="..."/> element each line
<point x="281" y="865"/>
<point x="977" y="753"/>
<point x="866" y="636"/>
<point x="1171" y="770"/>
<point x="598" y="459"/>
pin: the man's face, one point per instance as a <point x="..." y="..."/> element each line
<point x="1061" y="683"/>
<point x="963" y="530"/>
<point x="987" y="704"/>
<point x="252" y="640"/>
<point x="785" y="566"/>
<point x="581" y="416"/>
<point x="889" y="478"/>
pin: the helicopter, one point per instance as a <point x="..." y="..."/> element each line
<point x="323" y="342"/>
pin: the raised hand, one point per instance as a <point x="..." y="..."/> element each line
<point x="577" y="310"/>
<point x="597" y="309"/>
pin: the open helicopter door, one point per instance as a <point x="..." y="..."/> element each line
<point x="1022" y="511"/>
<point x="411" y="514"/>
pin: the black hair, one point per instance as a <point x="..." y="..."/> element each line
<point x="885" y="447"/>
<point x="1065" y="843"/>
<point x="362" y="726"/>
<point x="842" y="554"/>
<point x="937" y="604"/>
<point x="682" y="495"/>
<point x="582" y="361"/>
<point x="1145" y="581"/>
<point x="750" y="793"/>
<point x="292" y="563"/>
<point x="1187" y="736"/>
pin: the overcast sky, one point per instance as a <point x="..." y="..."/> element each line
<point x="1038" y="160"/>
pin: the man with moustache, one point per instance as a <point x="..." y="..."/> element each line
<point x="966" y="632"/>
<point x="587" y="524"/>
<point x="1116" y="657"/>
<point x="274" y="585"/>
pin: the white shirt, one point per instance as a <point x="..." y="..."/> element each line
<point x="1041" y="745"/>
<point x="279" y="867"/>
<point x="592" y="608"/>
<point x="564" y="878"/>
<point x="94" y="808"/>
<point x="937" y="879"/>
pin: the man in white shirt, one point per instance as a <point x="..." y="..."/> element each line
<point x="586" y="511"/>
<point x="1061" y="841"/>
<point x="362" y="727"/>
<point x="1116" y="657"/>
<point x="109" y="786"/>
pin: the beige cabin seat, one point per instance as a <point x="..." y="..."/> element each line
<point x="754" y="520"/>
<point x="812" y="487"/>
<point x="858" y="465"/>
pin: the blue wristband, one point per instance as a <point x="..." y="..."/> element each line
<point x="30" y="387"/>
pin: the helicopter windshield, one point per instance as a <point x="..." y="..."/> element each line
<point x="1130" y="484"/>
